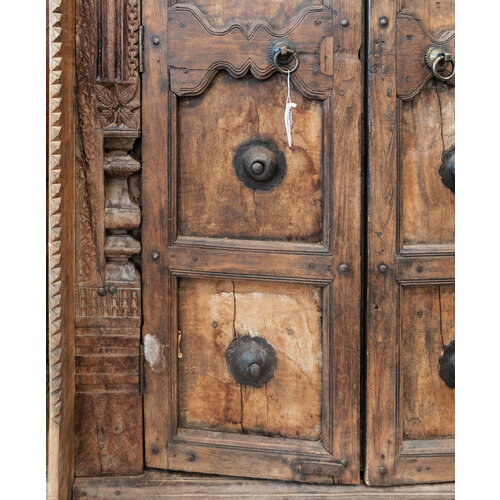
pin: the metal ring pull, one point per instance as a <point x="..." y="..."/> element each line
<point x="284" y="51"/>
<point x="437" y="58"/>
<point x="440" y="63"/>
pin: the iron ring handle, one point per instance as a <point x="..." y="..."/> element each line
<point x="279" y="68"/>
<point x="440" y="59"/>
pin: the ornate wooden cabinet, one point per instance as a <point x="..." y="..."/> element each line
<point x="245" y="306"/>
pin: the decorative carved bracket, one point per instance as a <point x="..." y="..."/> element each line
<point x="412" y="41"/>
<point x="197" y="50"/>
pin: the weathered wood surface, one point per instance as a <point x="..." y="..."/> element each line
<point x="411" y="233"/>
<point x="61" y="247"/>
<point x="108" y="217"/>
<point x="209" y="225"/>
<point x="160" y="484"/>
<point x="427" y="315"/>
<point x="198" y="50"/>
<point x="213" y="202"/>
<point x="288" y="317"/>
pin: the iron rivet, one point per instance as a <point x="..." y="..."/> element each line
<point x="382" y="469"/>
<point x="254" y="369"/>
<point x="382" y="268"/>
<point x="112" y="289"/>
<point x="383" y="21"/>
<point x="155" y="450"/>
<point x="344" y="23"/>
<point x="408" y="79"/>
<point x="155" y="255"/>
<point x="101" y="291"/>
<point x="215" y="324"/>
<point x="419" y="268"/>
<point x="317" y="22"/>
<point x="182" y="24"/>
<point x="257" y="168"/>
<point x="195" y="259"/>
<point x="343" y="268"/>
<point x="156" y="40"/>
<point x="344" y="462"/>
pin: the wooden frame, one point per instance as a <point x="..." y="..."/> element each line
<point x="61" y="160"/>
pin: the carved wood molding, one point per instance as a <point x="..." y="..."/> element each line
<point x="54" y="209"/>
<point x="197" y="50"/>
<point x="412" y="40"/>
<point x="108" y="219"/>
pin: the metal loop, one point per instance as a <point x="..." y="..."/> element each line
<point x="442" y="60"/>
<point x="283" y="70"/>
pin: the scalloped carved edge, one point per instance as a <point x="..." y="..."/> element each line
<point x="54" y="210"/>
<point x="442" y="40"/>
<point x="248" y="31"/>
<point x="239" y="24"/>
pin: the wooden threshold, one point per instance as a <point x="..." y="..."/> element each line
<point x="162" y="484"/>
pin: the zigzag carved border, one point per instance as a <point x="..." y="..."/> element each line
<point x="54" y="209"/>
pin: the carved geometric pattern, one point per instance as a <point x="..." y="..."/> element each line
<point x="125" y="303"/>
<point x="54" y="210"/>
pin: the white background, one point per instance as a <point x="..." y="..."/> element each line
<point x="23" y="264"/>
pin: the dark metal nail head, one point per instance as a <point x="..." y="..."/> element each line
<point x="382" y="469"/>
<point x="382" y="268"/>
<point x="112" y="289"/>
<point x="383" y="21"/>
<point x="344" y="23"/>
<point x="156" y="40"/>
<point x="155" y="255"/>
<point x="101" y="291"/>
<point x="343" y="268"/>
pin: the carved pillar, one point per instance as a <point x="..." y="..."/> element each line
<point x="108" y="291"/>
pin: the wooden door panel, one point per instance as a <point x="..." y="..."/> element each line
<point x="427" y="326"/>
<point x="212" y="201"/>
<point x="410" y="296"/>
<point x="289" y="318"/>
<point x="427" y="206"/>
<point x="225" y="260"/>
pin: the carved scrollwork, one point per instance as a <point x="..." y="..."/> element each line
<point x="413" y="39"/>
<point x="197" y="50"/>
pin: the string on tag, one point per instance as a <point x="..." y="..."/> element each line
<point x="288" y="113"/>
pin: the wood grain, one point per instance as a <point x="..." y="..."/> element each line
<point x="428" y="404"/>
<point x="163" y="484"/>
<point x="288" y="317"/>
<point x="410" y="242"/>
<point x="212" y="201"/>
<point x="427" y="128"/>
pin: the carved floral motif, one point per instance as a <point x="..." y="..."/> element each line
<point x="117" y="106"/>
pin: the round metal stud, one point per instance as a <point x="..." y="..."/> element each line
<point x="382" y="268"/>
<point x="383" y="21"/>
<point x="251" y="360"/>
<point x="447" y="365"/>
<point x="259" y="164"/>
<point x="101" y="291"/>
<point x="382" y="469"/>
<point x="156" y="40"/>
<point x="155" y="255"/>
<point x="344" y="23"/>
<point x="112" y="289"/>
<point x="447" y="168"/>
<point x="343" y="268"/>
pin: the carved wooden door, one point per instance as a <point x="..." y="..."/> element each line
<point x="410" y="308"/>
<point x="251" y="248"/>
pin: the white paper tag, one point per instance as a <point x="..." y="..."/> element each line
<point x="288" y="114"/>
